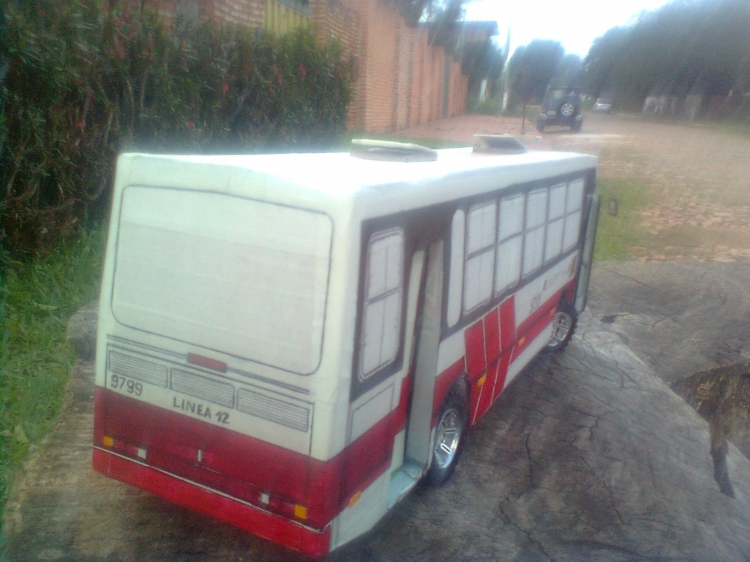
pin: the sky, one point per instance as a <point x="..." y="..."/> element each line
<point x="575" y="23"/>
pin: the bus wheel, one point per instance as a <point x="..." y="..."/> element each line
<point x="448" y="435"/>
<point x="563" y="326"/>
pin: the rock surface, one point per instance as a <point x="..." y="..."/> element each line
<point x="81" y="333"/>
<point x="680" y="318"/>
<point x="587" y="456"/>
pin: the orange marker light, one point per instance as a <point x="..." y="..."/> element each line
<point x="355" y="499"/>
<point x="300" y="511"/>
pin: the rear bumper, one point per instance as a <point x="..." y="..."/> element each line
<point x="214" y="504"/>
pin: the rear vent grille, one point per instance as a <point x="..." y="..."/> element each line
<point x="261" y="403"/>
<point x="203" y="387"/>
<point x="271" y="409"/>
<point x="139" y="369"/>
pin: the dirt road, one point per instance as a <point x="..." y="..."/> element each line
<point x="696" y="179"/>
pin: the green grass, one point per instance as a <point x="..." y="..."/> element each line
<point x="39" y="297"/>
<point x="618" y="236"/>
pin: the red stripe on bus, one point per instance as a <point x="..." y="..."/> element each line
<point x="543" y="313"/>
<point x="238" y="514"/>
<point x="229" y="460"/>
<point x="569" y="291"/>
<point x="476" y="361"/>
<point x="481" y="396"/>
<point x="502" y="373"/>
<point x="532" y="332"/>
<point x="492" y="335"/>
<point x="366" y="459"/>
<point x="507" y="324"/>
<point x="399" y="419"/>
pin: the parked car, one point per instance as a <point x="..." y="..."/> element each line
<point x="561" y="106"/>
<point x="603" y="105"/>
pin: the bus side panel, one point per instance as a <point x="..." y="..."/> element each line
<point x="504" y="335"/>
<point x="499" y="335"/>
<point x="481" y="392"/>
<point x="443" y="383"/>
<point x="502" y="374"/>
<point x="538" y="321"/>
<point x="476" y="357"/>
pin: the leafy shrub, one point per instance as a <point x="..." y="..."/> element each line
<point x="86" y="81"/>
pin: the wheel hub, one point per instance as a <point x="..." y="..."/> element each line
<point x="447" y="437"/>
<point x="561" y="324"/>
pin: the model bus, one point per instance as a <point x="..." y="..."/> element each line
<point x="290" y="342"/>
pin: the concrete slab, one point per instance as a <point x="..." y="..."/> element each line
<point x="588" y="455"/>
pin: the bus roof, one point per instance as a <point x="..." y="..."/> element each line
<point x="377" y="186"/>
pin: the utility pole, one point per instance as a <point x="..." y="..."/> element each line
<point x="505" y="78"/>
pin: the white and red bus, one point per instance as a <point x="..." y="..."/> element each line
<point x="289" y="343"/>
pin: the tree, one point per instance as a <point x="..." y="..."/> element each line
<point x="481" y="60"/>
<point x="568" y="72"/>
<point x="599" y="65"/>
<point x="446" y="12"/>
<point x="687" y="46"/>
<point x="532" y="68"/>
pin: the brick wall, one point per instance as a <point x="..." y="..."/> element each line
<point x="241" y="12"/>
<point x="400" y="78"/>
<point x="331" y="19"/>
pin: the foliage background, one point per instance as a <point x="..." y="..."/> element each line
<point x="86" y="80"/>
<point x="686" y="46"/>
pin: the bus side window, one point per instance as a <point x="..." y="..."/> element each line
<point x="381" y="324"/>
<point x="509" y="242"/>
<point x="553" y="247"/>
<point x="536" y="220"/>
<point x="573" y="214"/>
<point x="480" y="254"/>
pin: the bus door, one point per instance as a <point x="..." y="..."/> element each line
<point x="417" y="448"/>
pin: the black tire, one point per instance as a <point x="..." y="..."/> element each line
<point x="449" y="433"/>
<point x="567" y="109"/>
<point x="540" y="128"/>
<point x="563" y="326"/>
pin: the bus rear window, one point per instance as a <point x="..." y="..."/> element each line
<point x="226" y="273"/>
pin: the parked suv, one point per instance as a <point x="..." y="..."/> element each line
<point x="561" y="106"/>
